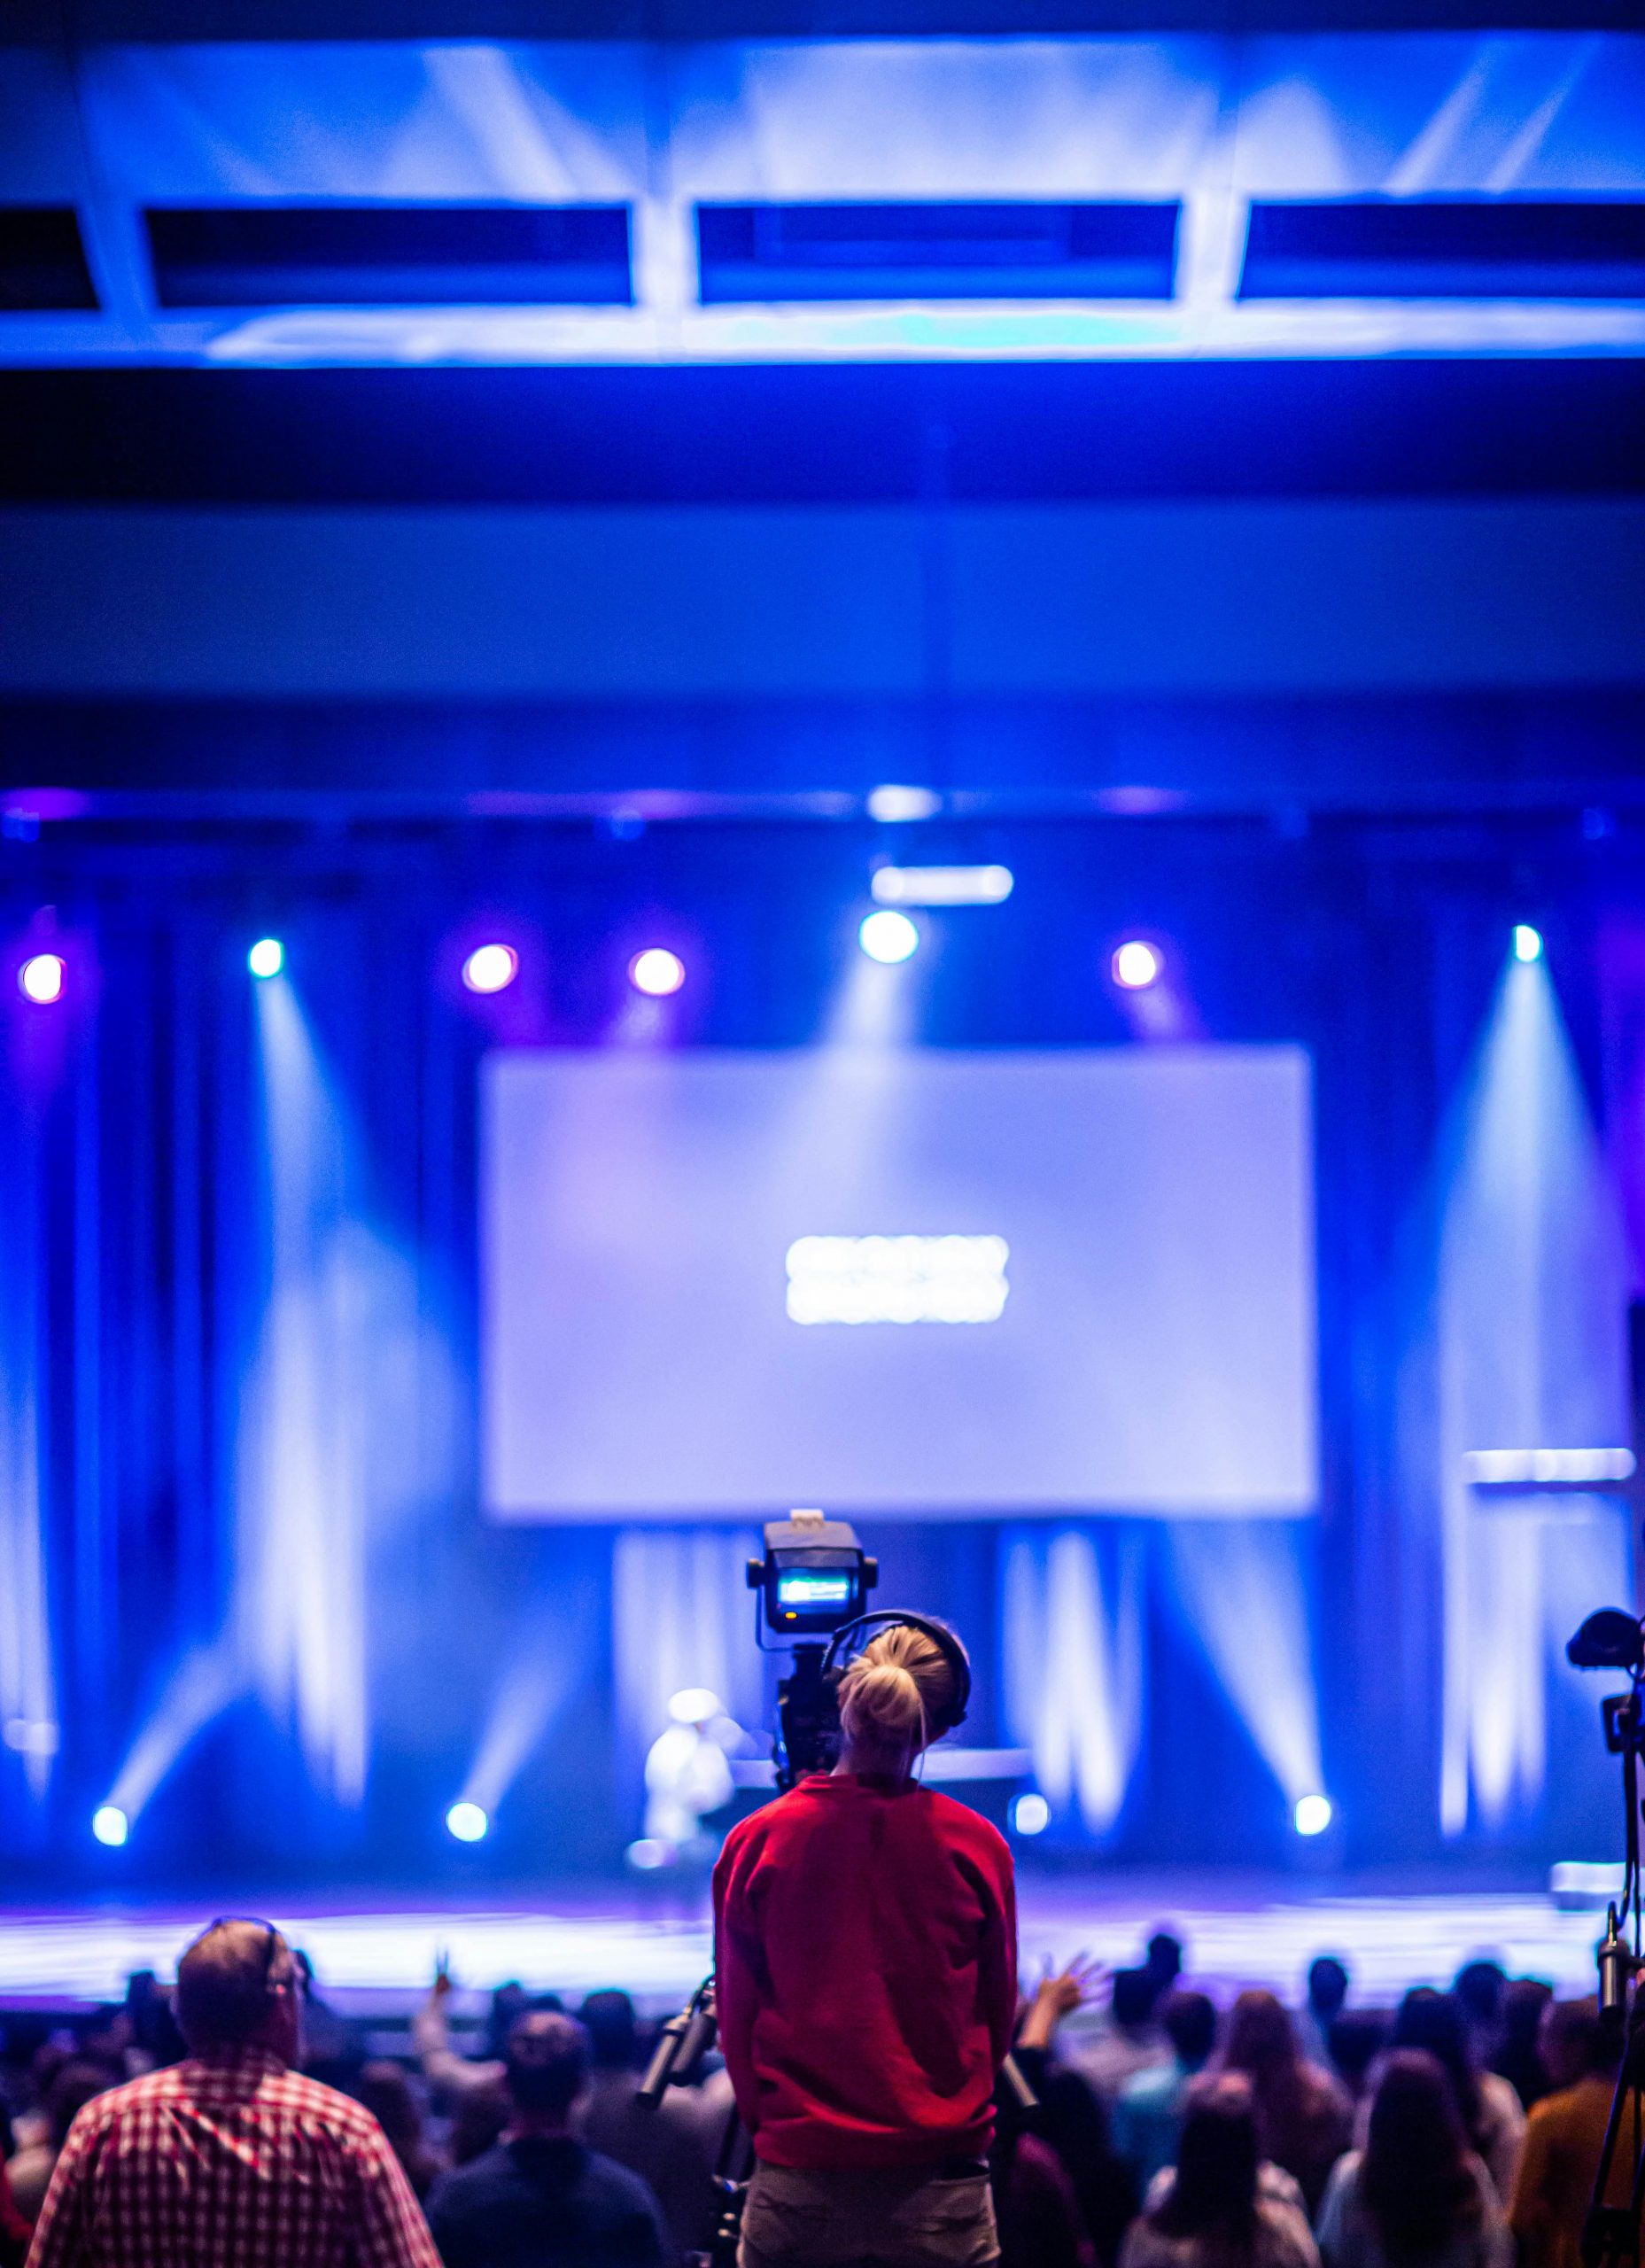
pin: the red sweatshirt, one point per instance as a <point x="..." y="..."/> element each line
<point x="865" y="1966"/>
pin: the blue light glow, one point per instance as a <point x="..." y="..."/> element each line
<point x="1031" y="1814"/>
<point x="266" y="958"/>
<point x="888" y="937"/>
<point x="468" y="1822"/>
<point x="110" y="1825"/>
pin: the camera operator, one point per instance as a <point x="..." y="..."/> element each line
<point x="865" y="1965"/>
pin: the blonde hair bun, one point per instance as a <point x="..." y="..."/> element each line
<point x="894" y="1689"/>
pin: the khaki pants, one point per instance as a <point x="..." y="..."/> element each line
<point x="862" y="2218"/>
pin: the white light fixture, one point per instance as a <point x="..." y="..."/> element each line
<point x="266" y="958"/>
<point x="1136" y="965"/>
<point x="657" y="972"/>
<point x="890" y="804"/>
<point x="1527" y="942"/>
<point x="943" y="885"/>
<point x="1030" y="1814"/>
<point x="888" y="937"/>
<point x="469" y="1822"/>
<point x="41" y="977"/>
<point x="110" y="1825"/>
<point x="490" y="969"/>
<point x="1312" y="1815"/>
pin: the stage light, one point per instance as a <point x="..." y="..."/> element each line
<point x="646" y="1854"/>
<point x="890" y="804"/>
<point x="490" y="969"/>
<point x="110" y="1825"/>
<point x="1527" y="942"/>
<point x="943" y="885"/>
<point x="1136" y="965"/>
<point x="1312" y="1815"/>
<point x="266" y="958"/>
<point x="1031" y="1814"/>
<point x="888" y="937"/>
<point x="468" y="1822"/>
<point x="41" y="977"/>
<point x="657" y="972"/>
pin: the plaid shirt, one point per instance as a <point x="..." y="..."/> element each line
<point x="229" y="2162"/>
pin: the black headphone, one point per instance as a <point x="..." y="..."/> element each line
<point x="946" y="1641"/>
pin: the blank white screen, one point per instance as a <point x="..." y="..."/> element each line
<point x="1155" y="1353"/>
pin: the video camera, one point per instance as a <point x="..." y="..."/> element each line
<point x="813" y="1583"/>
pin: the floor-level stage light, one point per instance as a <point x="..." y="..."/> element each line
<point x="468" y="1822"/>
<point x="1527" y="942"/>
<point x="266" y="958"/>
<point x="657" y="972"/>
<point x="41" y="977"/>
<point x="1312" y="1815"/>
<point x="491" y="968"/>
<point x="110" y="1825"/>
<point x="1136" y="965"/>
<point x="888" y="937"/>
<point x="1030" y="1814"/>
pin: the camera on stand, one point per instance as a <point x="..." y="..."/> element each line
<point x="1613" y="1638"/>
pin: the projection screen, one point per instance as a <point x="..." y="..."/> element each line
<point x="911" y="1282"/>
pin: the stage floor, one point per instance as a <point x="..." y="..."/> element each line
<point x="377" y="1958"/>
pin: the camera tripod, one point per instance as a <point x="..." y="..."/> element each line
<point x="1610" y="2234"/>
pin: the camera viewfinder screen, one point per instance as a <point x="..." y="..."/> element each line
<point x="920" y="1283"/>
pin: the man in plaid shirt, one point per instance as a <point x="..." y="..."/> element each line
<point x="231" y="2159"/>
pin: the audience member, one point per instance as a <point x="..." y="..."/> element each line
<point x="1479" y="1986"/>
<point x="1416" y="2196"/>
<point x="14" y="2230"/>
<point x="1564" y="2136"/>
<point x="386" y="2091"/>
<point x="1220" y="2204"/>
<point x="1354" y="2041"/>
<point x="540" y="2198"/>
<point x="155" y="2038"/>
<point x="231" y="2158"/>
<point x="75" y="2085"/>
<point x="451" y="2075"/>
<point x="1071" y="2119"/>
<point x="674" y="2147"/>
<point x="1326" y="1998"/>
<point x="480" y="2118"/>
<point x="1131" y="2040"/>
<point x="1492" y="2118"/>
<point x="1163" y="1960"/>
<point x="1519" y="2058"/>
<point x="1304" y="2119"/>
<point x="1035" y="2211"/>
<point x="1148" y="2111"/>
